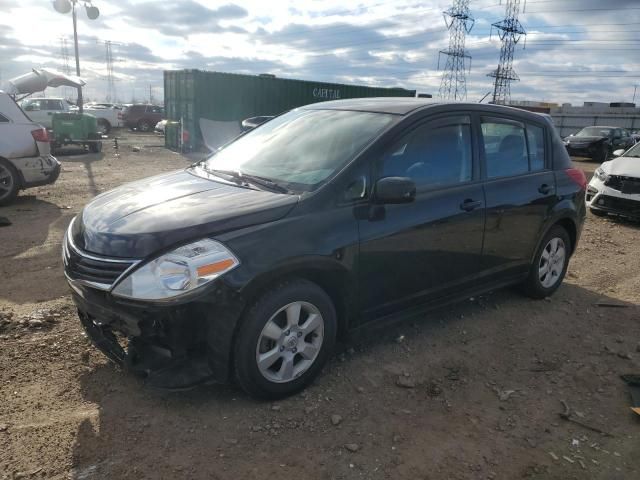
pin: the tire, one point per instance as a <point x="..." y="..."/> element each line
<point x="598" y="213"/>
<point x="104" y="127"/>
<point x="144" y="126"/>
<point x="269" y="326"/>
<point x="539" y="285"/>
<point x="9" y="182"/>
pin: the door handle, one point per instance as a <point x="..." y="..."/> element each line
<point x="544" y="188"/>
<point x="469" y="205"/>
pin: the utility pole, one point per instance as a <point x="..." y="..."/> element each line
<point x="635" y="89"/>
<point x="150" y="94"/>
<point x="459" y="21"/>
<point x="510" y="31"/>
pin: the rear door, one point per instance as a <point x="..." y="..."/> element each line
<point x="414" y="252"/>
<point x="519" y="188"/>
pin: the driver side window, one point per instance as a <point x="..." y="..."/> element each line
<point x="437" y="153"/>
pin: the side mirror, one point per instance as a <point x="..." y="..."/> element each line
<point x="618" y="153"/>
<point x="395" y="190"/>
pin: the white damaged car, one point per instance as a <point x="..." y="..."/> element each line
<point x="25" y="152"/>
<point x="615" y="186"/>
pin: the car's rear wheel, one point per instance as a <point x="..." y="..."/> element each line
<point x="144" y="126"/>
<point x="284" y="340"/>
<point x="550" y="264"/>
<point x="9" y="184"/>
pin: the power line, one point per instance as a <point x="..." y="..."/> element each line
<point x="459" y="21"/>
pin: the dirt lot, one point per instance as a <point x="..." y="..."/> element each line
<point x="470" y="392"/>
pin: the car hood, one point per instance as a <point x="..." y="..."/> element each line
<point x="584" y="139"/>
<point x="141" y="218"/>
<point x="623" y="166"/>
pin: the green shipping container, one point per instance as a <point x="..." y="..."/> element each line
<point x="223" y="100"/>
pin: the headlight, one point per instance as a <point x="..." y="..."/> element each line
<point x="601" y="175"/>
<point x="178" y="272"/>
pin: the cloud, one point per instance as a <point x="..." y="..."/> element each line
<point x="183" y="18"/>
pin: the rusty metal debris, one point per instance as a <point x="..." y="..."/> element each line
<point x="566" y="415"/>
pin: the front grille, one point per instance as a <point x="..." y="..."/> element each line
<point x="96" y="271"/>
<point x="624" y="184"/>
<point x="630" y="207"/>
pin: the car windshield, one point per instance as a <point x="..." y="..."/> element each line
<point x="302" y="148"/>
<point x="595" y="132"/>
<point x="633" y="151"/>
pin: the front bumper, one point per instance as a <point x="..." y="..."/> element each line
<point x="603" y="198"/>
<point x="171" y="346"/>
<point x="583" y="150"/>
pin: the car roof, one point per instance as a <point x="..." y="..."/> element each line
<point x="406" y="105"/>
<point x="395" y="105"/>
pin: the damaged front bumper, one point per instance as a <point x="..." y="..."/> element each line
<point x="171" y="346"/>
<point x="601" y="197"/>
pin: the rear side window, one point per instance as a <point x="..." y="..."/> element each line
<point x="437" y="153"/>
<point x="535" y="138"/>
<point x="512" y="148"/>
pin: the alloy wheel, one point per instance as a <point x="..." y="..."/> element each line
<point x="6" y="182"/>
<point x="290" y="342"/>
<point x="552" y="262"/>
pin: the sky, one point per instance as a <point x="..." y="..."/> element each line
<point x="575" y="50"/>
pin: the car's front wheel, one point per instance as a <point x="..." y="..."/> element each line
<point x="284" y="340"/>
<point x="550" y="264"/>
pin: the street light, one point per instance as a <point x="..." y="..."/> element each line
<point x="66" y="6"/>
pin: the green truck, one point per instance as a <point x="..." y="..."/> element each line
<point x="207" y="108"/>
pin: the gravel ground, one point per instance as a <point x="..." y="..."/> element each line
<point x="473" y="391"/>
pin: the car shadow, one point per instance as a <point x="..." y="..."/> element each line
<point x="218" y="432"/>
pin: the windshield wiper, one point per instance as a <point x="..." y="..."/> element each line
<point x="253" y="179"/>
<point x="265" y="182"/>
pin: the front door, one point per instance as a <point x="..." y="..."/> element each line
<point x="410" y="253"/>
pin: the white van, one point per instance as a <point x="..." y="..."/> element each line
<point x="25" y="154"/>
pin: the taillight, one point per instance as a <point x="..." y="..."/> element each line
<point x="120" y="116"/>
<point x="40" y="135"/>
<point x="577" y="176"/>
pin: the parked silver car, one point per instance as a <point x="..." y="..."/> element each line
<point x="25" y="154"/>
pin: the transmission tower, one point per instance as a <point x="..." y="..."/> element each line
<point x="111" y="86"/>
<point x="459" y="21"/>
<point x="64" y="60"/>
<point x="111" y="81"/>
<point x="510" y="31"/>
<point x="64" y="56"/>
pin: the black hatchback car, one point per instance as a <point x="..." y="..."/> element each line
<point x="250" y="264"/>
